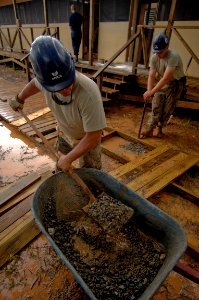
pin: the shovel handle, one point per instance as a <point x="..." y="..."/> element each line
<point x="42" y="137"/>
<point x="145" y="104"/>
<point x="74" y="175"/>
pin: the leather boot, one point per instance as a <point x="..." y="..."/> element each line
<point x="159" y="132"/>
<point x="148" y="132"/>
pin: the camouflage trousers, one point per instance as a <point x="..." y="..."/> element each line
<point x="91" y="159"/>
<point x="164" y="103"/>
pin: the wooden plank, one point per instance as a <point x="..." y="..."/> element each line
<point x="16" y="188"/>
<point x="108" y="135"/>
<point x="165" y="178"/>
<point x="49" y="136"/>
<point x="24" y="194"/>
<point x="114" y="155"/>
<point x="133" y="139"/>
<point x="156" y="172"/>
<point x="16" y="236"/>
<point x="32" y="116"/>
<point x="15" y="213"/>
<point x="180" y="103"/>
<point x="189" y="195"/>
<point x="139" y="161"/>
<point x="187" y="272"/>
<point x="41" y="120"/>
<point x="187" y="104"/>
<point x="43" y="130"/>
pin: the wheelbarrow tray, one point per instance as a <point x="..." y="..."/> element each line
<point x="152" y="220"/>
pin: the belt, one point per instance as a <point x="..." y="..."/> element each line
<point x="182" y="79"/>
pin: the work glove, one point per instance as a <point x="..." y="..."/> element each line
<point x="15" y="103"/>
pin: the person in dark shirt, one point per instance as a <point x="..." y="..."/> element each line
<point x="75" y="23"/>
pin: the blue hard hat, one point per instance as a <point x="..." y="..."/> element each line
<point x="160" y="42"/>
<point x="52" y="63"/>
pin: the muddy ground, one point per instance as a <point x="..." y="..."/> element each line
<point x="37" y="272"/>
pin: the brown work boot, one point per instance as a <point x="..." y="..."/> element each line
<point x="159" y="132"/>
<point x="147" y="133"/>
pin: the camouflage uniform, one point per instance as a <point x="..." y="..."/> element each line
<point x="91" y="159"/>
<point x="164" y="102"/>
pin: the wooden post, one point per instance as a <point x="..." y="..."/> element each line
<point x="32" y="34"/>
<point x="9" y="38"/>
<point x="168" y="30"/>
<point x="129" y="28"/>
<point x="134" y="28"/>
<point x="100" y="81"/>
<point x="1" y="40"/>
<point x="144" y="47"/>
<point x="136" y="54"/>
<point x="18" y="23"/>
<point x="91" y="32"/>
<point x="46" y="17"/>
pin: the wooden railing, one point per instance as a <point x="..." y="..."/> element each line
<point x="13" y="38"/>
<point x="15" y="43"/>
<point x="138" y="38"/>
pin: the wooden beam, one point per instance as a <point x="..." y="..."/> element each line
<point x="186" y="46"/>
<point x="133" y="28"/>
<point x="16" y="236"/>
<point x="171" y="18"/>
<point x="9" y="2"/>
<point x="188" y="194"/>
<point x="144" y="47"/>
<point x="32" y="116"/>
<point x="187" y="272"/>
<point x="46" y="16"/>
<point x="16" y="188"/>
<point x="91" y="32"/>
<point x="132" y="165"/>
<point x="133" y="38"/>
<point x="24" y="194"/>
<point x="167" y="173"/>
<point x="15" y="213"/>
<point x="129" y="27"/>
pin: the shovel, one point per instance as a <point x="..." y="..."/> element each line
<point x="80" y="195"/>
<point x="144" y="110"/>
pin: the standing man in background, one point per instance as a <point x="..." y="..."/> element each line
<point x="75" y="23"/>
<point x="166" y="82"/>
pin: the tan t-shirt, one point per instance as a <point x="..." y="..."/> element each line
<point x="172" y="59"/>
<point x="84" y="114"/>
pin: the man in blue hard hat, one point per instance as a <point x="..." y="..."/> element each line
<point x="166" y="82"/>
<point x="74" y="99"/>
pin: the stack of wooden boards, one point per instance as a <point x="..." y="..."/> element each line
<point x="17" y="226"/>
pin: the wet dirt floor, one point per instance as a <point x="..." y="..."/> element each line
<point x="37" y="272"/>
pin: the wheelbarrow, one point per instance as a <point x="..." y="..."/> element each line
<point x="158" y="224"/>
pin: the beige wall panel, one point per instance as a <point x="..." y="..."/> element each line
<point x="112" y="36"/>
<point x="65" y="36"/>
<point x="191" y="36"/>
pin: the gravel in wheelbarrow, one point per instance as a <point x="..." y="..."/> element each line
<point x="114" y="258"/>
<point x="122" y="248"/>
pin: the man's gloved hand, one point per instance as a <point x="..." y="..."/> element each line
<point x="15" y="103"/>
